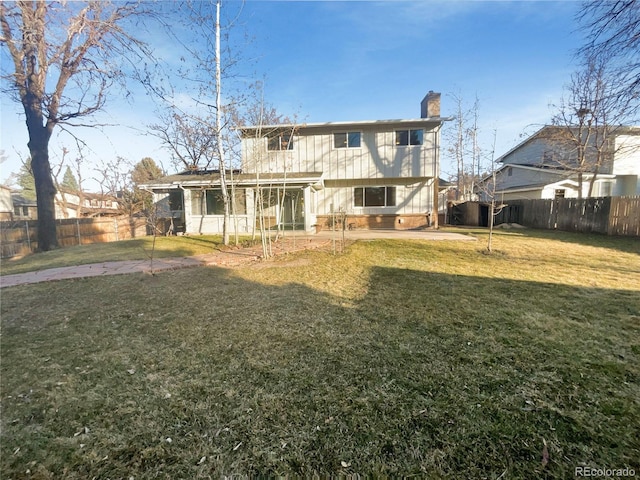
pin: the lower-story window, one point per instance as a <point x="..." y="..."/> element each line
<point x="605" y="189"/>
<point x="374" y="196"/>
<point x="212" y="203"/>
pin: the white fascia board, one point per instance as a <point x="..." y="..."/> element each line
<point x="599" y="176"/>
<point x="555" y="171"/>
<point x="518" y="190"/>
<point x="525" y="167"/>
<point x="284" y="181"/>
<point x="244" y="183"/>
<point x="150" y="187"/>
<point x="363" y="123"/>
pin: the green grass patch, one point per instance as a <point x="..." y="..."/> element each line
<point x="410" y="358"/>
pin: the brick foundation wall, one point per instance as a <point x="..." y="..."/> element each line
<point x="370" y="222"/>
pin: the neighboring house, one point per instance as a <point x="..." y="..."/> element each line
<point x="24" y="208"/>
<point x="67" y="206"/>
<point x="6" y="204"/>
<point x="543" y="167"/>
<point x="71" y="205"/>
<point x="380" y="174"/>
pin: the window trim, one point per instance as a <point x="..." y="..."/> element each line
<point x="241" y="193"/>
<point x="290" y="143"/>
<point x="347" y="133"/>
<point x="390" y="192"/>
<point x="408" y="132"/>
<point x="171" y="200"/>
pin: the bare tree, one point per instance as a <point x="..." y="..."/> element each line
<point x="219" y="121"/>
<point x="587" y="120"/>
<point x="198" y="133"/>
<point x="268" y="127"/>
<point x="78" y="164"/>
<point x="463" y="146"/>
<point x="190" y="139"/>
<point x="119" y="179"/>
<point x="490" y="191"/>
<point x="457" y="145"/>
<point x="476" y="151"/>
<point x="64" y="60"/>
<point x="613" y="29"/>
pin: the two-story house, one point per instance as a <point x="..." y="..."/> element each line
<point x="85" y="204"/>
<point x="546" y="166"/>
<point x="379" y="174"/>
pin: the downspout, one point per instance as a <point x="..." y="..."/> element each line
<point x="184" y="208"/>
<point x="436" y="180"/>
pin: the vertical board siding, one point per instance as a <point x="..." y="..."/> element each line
<point x="377" y="162"/>
<point x="378" y="156"/>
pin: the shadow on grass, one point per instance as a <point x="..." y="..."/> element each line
<point x="201" y="372"/>
<point x="621" y="243"/>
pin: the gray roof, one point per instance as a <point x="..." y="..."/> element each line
<point x="614" y="130"/>
<point x="301" y="127"/>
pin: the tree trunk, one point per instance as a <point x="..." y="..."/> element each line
<point x="45" y="189"/>
<point x="221" y="160"/>
<point x="491" y="220"/>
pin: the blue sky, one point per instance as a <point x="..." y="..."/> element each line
<point x="359" y="60"/>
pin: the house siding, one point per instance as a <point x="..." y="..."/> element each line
<point x="377" y="162"/>
<point x="627" y="165"/>
<point x="521" y="177"/>
<point x="541" y="164"/>
<point x="528" y="194"/>
<point x="530" y="154"/>
<point x="627" y="161"/>
<point x="6" y="204"/>
<point x="326" y="176"/>
<point x="378" y="156"/>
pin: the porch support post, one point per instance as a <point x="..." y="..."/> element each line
<point x="306" y="196"/>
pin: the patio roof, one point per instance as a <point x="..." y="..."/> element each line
<point x="212" y="179"/>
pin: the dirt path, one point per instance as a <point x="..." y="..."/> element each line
<point x="231" y="257"/>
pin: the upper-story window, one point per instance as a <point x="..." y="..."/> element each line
<point x="409" y="137"/>
<point x="281" y="141"/>
<point x="347" y="139"/>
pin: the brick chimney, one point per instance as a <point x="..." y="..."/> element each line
<point x="430" y="105"/>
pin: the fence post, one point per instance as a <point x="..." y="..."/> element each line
<point x="78" y="230"/>
<point x="26" y="226"/>
<point x="115" y="228"/>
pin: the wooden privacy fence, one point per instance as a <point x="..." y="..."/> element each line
<point x="21" y="237"/>
<point x="608" y="215"/>
<point x="624" y="216"/>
